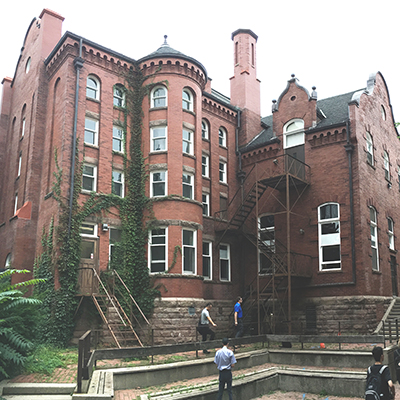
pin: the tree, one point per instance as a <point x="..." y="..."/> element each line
<point x="13" y="345"/>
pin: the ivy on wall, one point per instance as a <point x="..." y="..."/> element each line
<point x="60" y="260"/>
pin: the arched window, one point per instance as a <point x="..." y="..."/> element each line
<point x="386" y="165"/>
<point x="92" y="88"/>
<point x="329" y="236"/>
<point x="222" y="137"/>
<point x="23" y="121"/>
<point x="383" y="113"/>
<point x="28" y="65"/>
<point x="391" y="233"/>
<point x="159" y="97"/>
<point x="374" y="238"/>
<point x="370" y="148"/>
<point x="187" y="100"/>
<point x="7" y="264"/>
<point x="204" y="129"/>
<point x="119" y="96"/>
<point x="293" y="133"/>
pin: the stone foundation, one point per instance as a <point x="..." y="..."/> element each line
<point x="175" y="319"/>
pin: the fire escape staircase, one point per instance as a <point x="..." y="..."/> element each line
<point x="118" y="324"/>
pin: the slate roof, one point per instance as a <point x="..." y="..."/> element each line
<point x="331" y="111"/>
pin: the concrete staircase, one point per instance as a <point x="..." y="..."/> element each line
<point x="387" y="325"/>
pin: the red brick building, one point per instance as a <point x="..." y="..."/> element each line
<point x="296" y="211"/>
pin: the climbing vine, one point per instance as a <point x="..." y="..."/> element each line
<point x="59" y="263"/>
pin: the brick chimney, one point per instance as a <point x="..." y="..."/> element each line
<point x="51" y="24"/>
<point x="245" y="87"/>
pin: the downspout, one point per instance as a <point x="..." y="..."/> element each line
<point x="78" y="64"/>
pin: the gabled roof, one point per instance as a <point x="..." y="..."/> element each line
<point x="331" y="111"/>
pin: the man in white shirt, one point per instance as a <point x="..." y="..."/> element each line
<point x="204" y="325"/>
<point x="225" y="360"/>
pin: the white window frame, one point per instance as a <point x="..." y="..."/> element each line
<point x="155" y="99"/>
<point x="118" y="139"/>
<point x="19" y="165"/>
<point x="188" y="185"/>
<point x="222" y="137"/>
<point x="187" y="100"/>
<point x="154" y="245"/>
<point x="23" y="125"/>
<point x="186" y="247"/>
<point x="153" y="182"/>
<point x="222" y="171"/>
<point x="374" y="238"/>
<point x="90" y="130"/>
<point x="119" y="98"/>
<point x="15" y="203"/>
<point x="391" y="233"/>
<point x="96" y="90"/>
<point x="28" y="65"/>
<point x="154" y="139"/>
<point x="187" y="141"/>
<point x="205" y="166"/>
<point x="92" y="177"/>
<point x="89" y="235"/>
<point x="204" y="129"/>
<point x="110" y="242"/>
<point x="227" y="259"/>
<point x="293" y="133"/>
<point x="326" y="240"/>
<point x="118" y="183"/>
<point x="207" y="256"/>
<point x="370" y="148"/>
<point x="386" y="165"/>
<point x="7" y="263"/>
<point x="205" y="199"/>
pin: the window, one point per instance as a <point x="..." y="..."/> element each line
<point x="28" y="65"/>
<point x="158" y="250"/>
<point x="91" y="131"/>
<point x="386" y="165"/>
<point x="398" y="175"/>
<point x="187" y="102"/>
<point x="118" y="183"/>
<point x="207" y="260"/>
<point x="204" y="129"/>
<point x="189" y="251"/>
<point x="119" y="96"/>
<point x="222" y="137"/>
<point x="187" y="142"/>
<point x="391" y="233"/>
<point x="187" y="183"/>
<point x="374" y="238"/>
<point x="383" y="113"/>
<point x="7" y="264"/>
<point x="224" y="262"/>
<point x="293" y="133"/>
<point x="15" y="203"/>
<point x="205" y="169"/>
<point x="89" y="178"/>
<point x="222" y="171"/>
<point x="115" y="238"/>
<point x="23" y="127"/>
<point x="19" y="165"/>
<point x="223" y="206"/>
<point x="266" y="234"/>
<point x="159" y="138"/>
<point x="158" y="183"/>
<point x="88" y="230"/>
<point x="159" y="97"/>
<point x="92" y="88"/>
<point x="370" y="149"/>
<point x="205" y="198"/>
<point x="118" y="139"/>
<point x="329" y="236"/>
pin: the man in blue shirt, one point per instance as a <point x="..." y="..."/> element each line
<point x="238" y="314"/>
<point x="225" y="360"/>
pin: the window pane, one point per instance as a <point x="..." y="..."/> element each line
<point x="158" y="189"/>
<point x="188" y="238"/>
<point x="329" y="211"/>
<point x="189" y="259"/>
<point x="87" y="249"/>
<point x="331" y="253"/>
<point x="327" y="229"/>
<point x="224" y="270"/>
<point x="115" y="235"/>
<point x="87" y="183"/>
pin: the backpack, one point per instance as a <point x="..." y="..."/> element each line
<point x="374" y="384"/>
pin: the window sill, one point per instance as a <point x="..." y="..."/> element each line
<point x="189" y="155"/>
<point x="223" y="147"/>
<point x="189" y="111"/>
<point x="158" y="152"/>
<point x="158" y="108"/>
<point x="376" y="272"/>
<point x="324" y="271"/>
<point x="93" y="146"/>
<point x="223" y="183"/>
<point x="205" y="140"/>
<point x="94" y="100"/>
<point x="122" y="108"/>
<point x="371" y="165"/>
<point x="206" y="178"/>
<point x="392" y="251"/>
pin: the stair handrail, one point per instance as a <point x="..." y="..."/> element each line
<point x="108" y="295"/>
<point x="382" y="321"/>
<point x="132" y="298"/>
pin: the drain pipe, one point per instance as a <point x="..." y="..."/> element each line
<point x="78" y="64"/>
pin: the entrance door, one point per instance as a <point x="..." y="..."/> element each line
<point x="87" y="282"/>
<point x="393" y="268"/>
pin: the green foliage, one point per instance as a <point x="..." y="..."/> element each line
<point x="13" y="344"/>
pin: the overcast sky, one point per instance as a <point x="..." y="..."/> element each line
<point x="334" y="45"/>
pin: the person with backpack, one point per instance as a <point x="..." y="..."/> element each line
<point x="379" y="382"/>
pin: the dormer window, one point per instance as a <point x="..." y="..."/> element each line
<point x="293" y="133"/>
